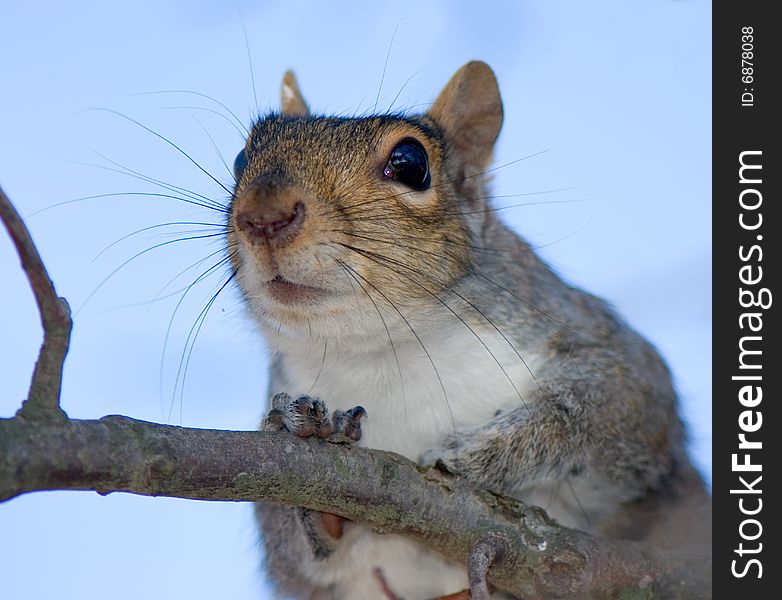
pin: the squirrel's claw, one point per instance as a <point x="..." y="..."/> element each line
<point x="305" y="417"/>
<point x="302" y="416"/>
<point x="348" y="423"/>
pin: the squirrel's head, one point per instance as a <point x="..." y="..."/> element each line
<point x="334" y="221"/>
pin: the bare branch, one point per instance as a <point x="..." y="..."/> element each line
<point x="382" y="490"/>
<point x="43" y="399"/>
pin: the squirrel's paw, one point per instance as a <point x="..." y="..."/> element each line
<point x="305" y="417"/>
<point x="302" y="416"/>
<point x="447" y="456"/>
<point x="348" y="423"/>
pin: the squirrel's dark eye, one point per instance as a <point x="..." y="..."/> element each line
<point x="240" y="162"/>
<point x="409" y="165"/>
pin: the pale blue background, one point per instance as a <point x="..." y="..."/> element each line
<point x="619" y="92"/>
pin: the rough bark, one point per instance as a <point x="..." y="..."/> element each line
<point x="383" y="490"/>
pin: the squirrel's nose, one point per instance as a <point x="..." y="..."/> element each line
<point x="269" y="224"/>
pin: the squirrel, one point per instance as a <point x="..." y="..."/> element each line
<point x="368" y="252"/>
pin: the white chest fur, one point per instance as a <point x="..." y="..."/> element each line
<point x="419" y="390"/>
<point x="415" y="393"/>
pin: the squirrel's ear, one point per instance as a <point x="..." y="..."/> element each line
<point x="469" y="109"/>
<point x="291" y="101"/>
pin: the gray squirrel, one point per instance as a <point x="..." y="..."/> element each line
<point x="386" y="285"/>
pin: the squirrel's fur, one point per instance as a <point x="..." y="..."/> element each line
<point x="465" y="349"/>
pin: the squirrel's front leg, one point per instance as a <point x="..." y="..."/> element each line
<point x="306" y="417"/>
<point x="516" y="447"/>
<point x="604" y="431"/>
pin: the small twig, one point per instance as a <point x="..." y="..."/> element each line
<point x="483" y="555"/>
<point x="43" y="399"/>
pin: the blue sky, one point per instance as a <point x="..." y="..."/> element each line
<point x="618" y="93"/>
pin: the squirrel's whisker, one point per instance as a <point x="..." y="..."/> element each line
<point x="114" y="194"/>
<point x="212" y="111"/>
<point x="219" y="154"/>
<point x="471" y="271"/>
<point x="197" y="199"/>
<point x="170" y="143"/>
<point x="196" y="281"/>
<point x="139" y="255"/>
<point x="353" y="275"/>
<point x="195" y="329"/>
<point x="159" y="296"/>
<point x="222" y="226"/>
<point x="380" y="259"/>
<point x="226" y="259"/>
<point x="417" y="337"/>
<point x="243" y="132"/>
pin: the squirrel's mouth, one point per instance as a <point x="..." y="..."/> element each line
<point x="288" y="292"/>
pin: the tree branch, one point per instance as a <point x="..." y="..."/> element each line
<point x="382" y="490"/>
<point x="43" y="399"/>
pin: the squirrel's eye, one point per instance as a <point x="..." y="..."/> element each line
<point x="409" y="165"/>
<point x="240" y="162"/>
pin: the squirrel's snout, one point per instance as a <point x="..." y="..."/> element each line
<point x="262" y="223"/>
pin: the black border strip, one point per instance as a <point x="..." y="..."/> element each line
<point x="745" y="264"/>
